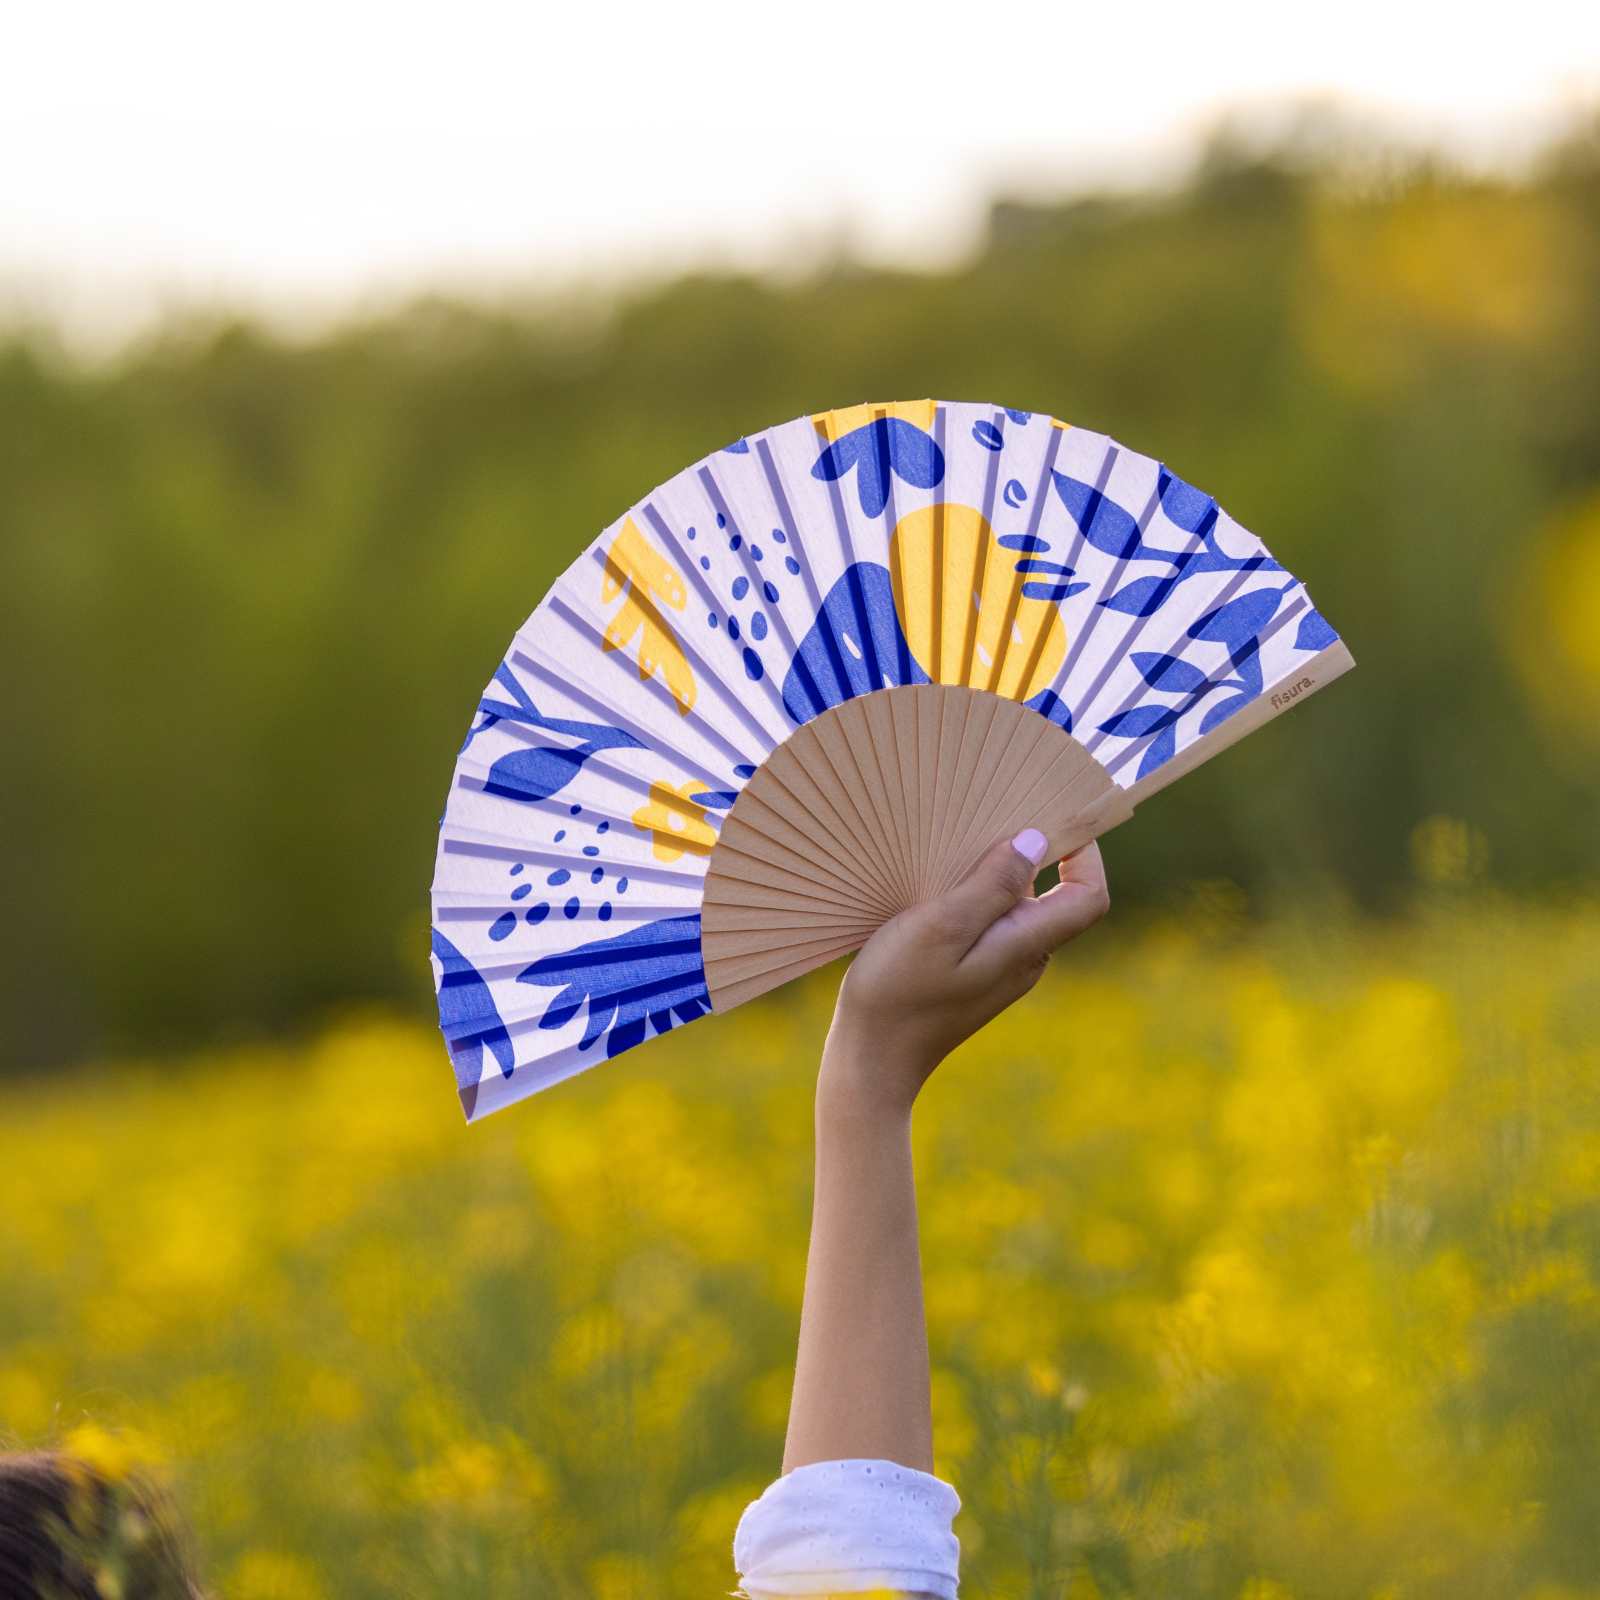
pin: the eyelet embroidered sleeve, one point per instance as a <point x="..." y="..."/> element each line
<point x="850" y="1527"/>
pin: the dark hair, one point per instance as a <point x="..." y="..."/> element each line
<point x="70" y="1532"/>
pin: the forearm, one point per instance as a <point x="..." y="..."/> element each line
<point x="861" y="1373"/>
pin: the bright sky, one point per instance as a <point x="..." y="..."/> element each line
<point x="310" y="155"/>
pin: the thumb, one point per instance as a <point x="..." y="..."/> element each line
<point x="1000" y="877"/>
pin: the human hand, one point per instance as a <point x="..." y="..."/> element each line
<point x="932" y="976"/>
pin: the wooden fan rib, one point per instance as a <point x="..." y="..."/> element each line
<point x="731" y="958"/>
<point x="774" y="917"/>
<point x="908" y="747"/>
<point x="732" y="994"/>
<point x="1059" y="780"/>
<point x="854" y="735"/>
<point x="1014" y="592"/>
<point x="1030" y="758"/>
<point x="804" y="834"/>
<point x="878" y="721"/>
<point x="978" y="715"/>
<point x="743" y="854"/>
<point x="832" y="745"/>
<point x="1006" y="745"/>
<point x="804" y="855"/>
<point x="785" y="772"/>
<point x="929" y="723"/>
<point x="954" y="710"/>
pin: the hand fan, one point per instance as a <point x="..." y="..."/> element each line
<point x="805" y="684"/>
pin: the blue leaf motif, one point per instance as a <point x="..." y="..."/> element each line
<point x="1052" y="708"/>
<point x="1246" y="661"/>
<point x="469" y="1020"/>
<point x="1314" y="633"/>
<point x="1186" y="507"/>
<point x="535" y="774"/>
<point x="988" y="435"/>
<point x="883" y="447"/>
<point x="1168" y="672"/>
<point x="1104" y="523"/>
<point x="1224" y="709"/>
<point x="1239" y="620"/>
<point x="1018" y="417"/>
<point x="1142" y="597"/>
<point x="646" y="977"/>
<point x="1141" y="720"/>
<point x="1038" y="590"/>
<point x="1158" y="750"/>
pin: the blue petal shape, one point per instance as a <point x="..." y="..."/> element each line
<point x="884" y="446"/>
<point x="1161" y="748"/>
<point x="537" y="773"/>
<point x="1239" y="620"/>
<point x="1189" y="508"/>
<point x="988" y="435"/>
<point x="469" y="1020"/>
<point x="1029" y="543"/>
<point x="855" y="646"/>
<point x="1141" y="720"/>
<point x="1013" y="494"/>
<point x="1224" y="709"/>
<point x="1168" y="672"/>
<point x="739" y="447"/>
<point x="1052" y="708"/>
<point x="1103" y="522"/>
<point x="1039" y="590"/>
<point x="1314" y="633"/>
<point x="714" y="799"/>
<point x="648" y="975"/>
<point x="1142" y="597"/>
<point x="1019" y="417"/>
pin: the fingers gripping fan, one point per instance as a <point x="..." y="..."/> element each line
<point x="802" y="686"/>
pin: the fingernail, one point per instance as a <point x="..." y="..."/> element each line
<point x="1032" y="844"/>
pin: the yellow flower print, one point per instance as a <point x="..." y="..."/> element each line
<point x="960" y="600"/>
<point x="678" y="825"/>
<point x="834" y="425"/>
<point x="637" y="571"/>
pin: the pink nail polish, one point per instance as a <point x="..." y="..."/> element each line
<point x="1032" y="844"/>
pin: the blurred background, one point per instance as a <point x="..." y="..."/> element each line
<point x="1267" y="1261"/>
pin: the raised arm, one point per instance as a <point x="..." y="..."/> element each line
<point x="923" y="983"/>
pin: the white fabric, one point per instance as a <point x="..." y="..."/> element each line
<point x="848" y="1527"/>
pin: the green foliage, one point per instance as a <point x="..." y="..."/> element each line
<point x="250" y="588"/>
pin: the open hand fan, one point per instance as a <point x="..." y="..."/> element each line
<point x="805" y="684"/>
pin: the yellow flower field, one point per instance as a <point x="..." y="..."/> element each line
<point x="1260" y="1264"/>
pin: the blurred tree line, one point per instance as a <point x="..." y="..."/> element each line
<point x="251" y="586"/>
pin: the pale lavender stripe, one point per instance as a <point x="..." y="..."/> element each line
<point x="1074" y="555"/>
<point x="756" y="572"/>
<point x="786" y="516"/>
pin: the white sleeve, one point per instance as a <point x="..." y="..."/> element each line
<point x="847" y="1527"/>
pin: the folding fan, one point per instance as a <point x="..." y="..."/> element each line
<point x="804" y="685"/>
